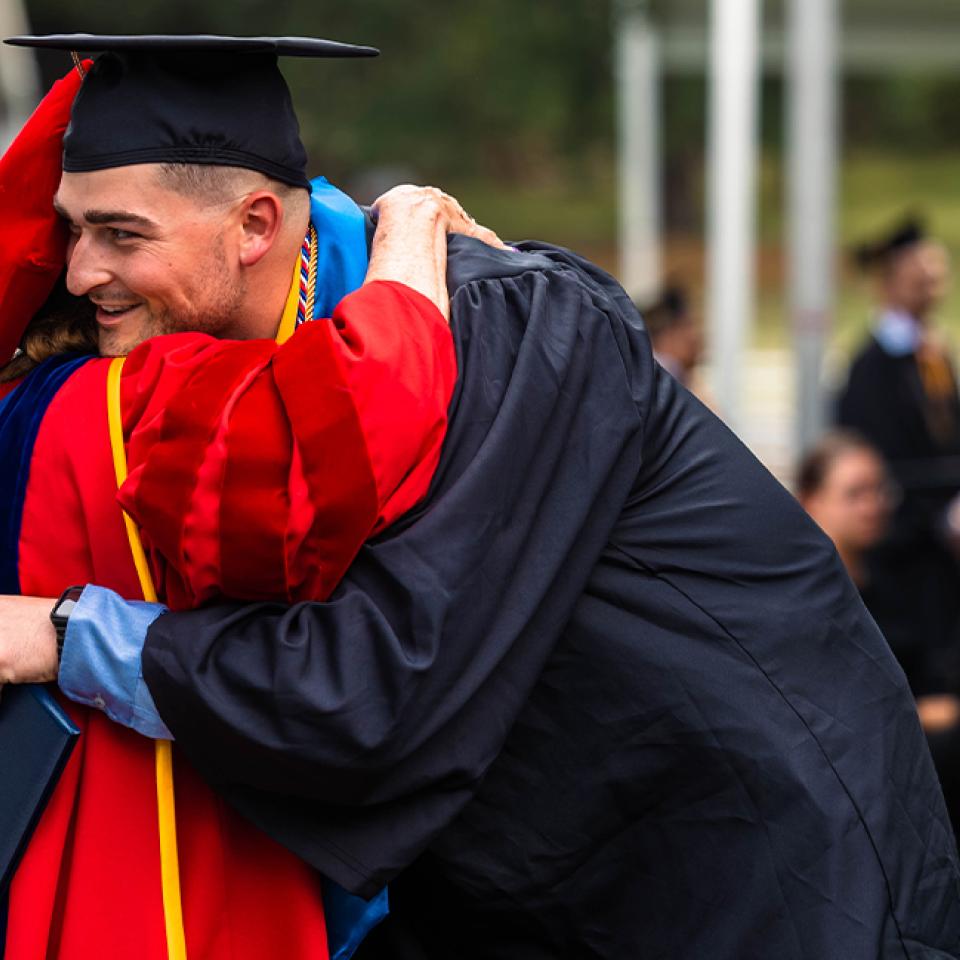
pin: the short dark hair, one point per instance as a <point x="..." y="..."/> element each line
<point x="818" y="461"/>
<point x="214" y="183"/>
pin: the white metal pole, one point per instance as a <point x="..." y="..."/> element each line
<point x="638" y="80"/>
<point x="812" y="149"/>
<point x="19" y="77"/>
<point x="733" y="124"/>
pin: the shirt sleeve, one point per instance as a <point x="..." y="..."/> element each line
<point x="100" y="666"/>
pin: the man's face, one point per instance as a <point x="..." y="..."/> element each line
<point x="151" y="260"/>
<point x="854" y="504"/>
<point x="917" y="279"/>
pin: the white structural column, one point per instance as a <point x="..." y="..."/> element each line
<point x="19" y="78"/>
<point x="732" y="135"/>
<point x="638" y="83"/>
<point x="812" y="144"/>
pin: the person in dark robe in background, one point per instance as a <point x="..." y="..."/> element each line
<point x="901" y="396"/>
<point x="843" y="483"/>
<point x="675" y="332"/>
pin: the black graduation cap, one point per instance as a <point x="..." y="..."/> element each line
<point x="908" y="232"/>
<point x="188" y="99"/>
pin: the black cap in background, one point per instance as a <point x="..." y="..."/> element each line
<point x="667" y="310"/>
<point x="878" y="253"/>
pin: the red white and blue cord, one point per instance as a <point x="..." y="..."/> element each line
<point x="308" y="276"/>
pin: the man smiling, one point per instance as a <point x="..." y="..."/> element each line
<point x="155" y="259"/>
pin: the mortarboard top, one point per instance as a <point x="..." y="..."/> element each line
<point x="878" y="253"/>
<point x="188" y="99"/>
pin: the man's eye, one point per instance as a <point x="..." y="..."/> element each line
<point x="117" y="234"/>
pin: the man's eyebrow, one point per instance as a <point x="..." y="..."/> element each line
<point x="99" y="217"/>
<point x="115" y="216"/>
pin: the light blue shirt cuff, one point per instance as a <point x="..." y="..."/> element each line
<point x="100" y="666"/>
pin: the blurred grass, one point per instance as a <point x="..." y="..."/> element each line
<point x="581" y="216"/>
<point x="876" y="188"/>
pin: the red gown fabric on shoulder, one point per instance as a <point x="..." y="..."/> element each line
<point x="258" y="470"/>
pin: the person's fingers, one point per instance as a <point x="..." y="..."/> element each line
<point x="453" y="216"/>
<point x="481" y="233"/>
<point x="459" y="221"/>
<point x="402" y="192"/>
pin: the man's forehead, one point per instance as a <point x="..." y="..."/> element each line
<point x="136" y="188"/>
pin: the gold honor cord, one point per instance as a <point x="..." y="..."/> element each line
<point x="288" y="319"/>
<point x="312" y="272"/>
<point x="166" y="812"/>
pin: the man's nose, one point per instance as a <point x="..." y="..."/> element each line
<point x="86" y="266"/>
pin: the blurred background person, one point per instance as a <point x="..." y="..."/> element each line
<point x="676" y="332"/>
<point x="901" y="395"/>
<point x="843" y="484"/>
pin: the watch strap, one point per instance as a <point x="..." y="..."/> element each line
<point x="60" y="615"/>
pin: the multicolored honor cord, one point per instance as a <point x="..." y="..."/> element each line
<point x="308" y="276"/>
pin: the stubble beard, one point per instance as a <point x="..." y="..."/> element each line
<point x="223" y="297"/>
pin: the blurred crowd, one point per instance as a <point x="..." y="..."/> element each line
<point x="884" y="482"/>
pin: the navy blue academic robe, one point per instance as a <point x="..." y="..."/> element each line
<point x="607" y="693"/>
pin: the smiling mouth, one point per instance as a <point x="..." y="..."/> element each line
<point x="111" y="316"/>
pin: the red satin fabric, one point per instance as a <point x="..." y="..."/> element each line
<point x="34" y="239"/>
<point x="257" y="471"/>
<point x="90" y="880"/>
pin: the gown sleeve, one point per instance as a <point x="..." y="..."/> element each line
<point x="353" y="730"/>
<point x="256" y="471"/>
<point x="33" y="251"/>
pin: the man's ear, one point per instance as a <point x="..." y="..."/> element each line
<point x="261" y="217"/>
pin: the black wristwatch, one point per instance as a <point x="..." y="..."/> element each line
<point x="60" y="615"/>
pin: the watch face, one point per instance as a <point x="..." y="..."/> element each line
<point x="65" y="608"/>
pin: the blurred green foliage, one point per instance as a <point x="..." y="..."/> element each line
<point x="514" y="91"/>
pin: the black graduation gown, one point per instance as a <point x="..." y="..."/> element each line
<point x="607" y="693"/>
<point x="914" y="588"/>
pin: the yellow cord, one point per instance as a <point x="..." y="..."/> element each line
<point x="166" y="811"/>
<point x="288" y="322"/>
<point x="312" y="272"/>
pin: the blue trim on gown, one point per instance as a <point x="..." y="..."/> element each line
<point x="21" y="413"/>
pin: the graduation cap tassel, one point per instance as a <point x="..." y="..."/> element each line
<point x="78" y="63"/>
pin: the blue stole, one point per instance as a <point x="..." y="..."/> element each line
<point x="21" y="412"/>
<point x="341" y="268"/>
<point x="342" y="253"/>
